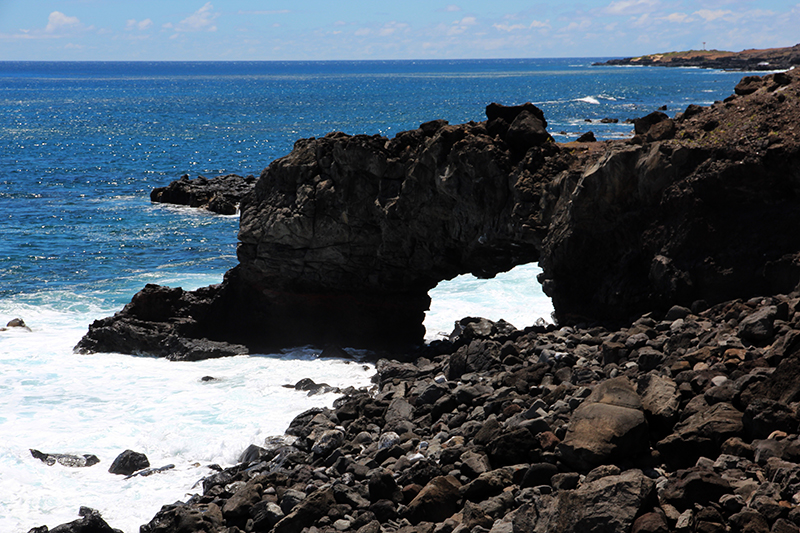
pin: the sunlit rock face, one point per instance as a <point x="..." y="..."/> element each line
<point x="341" y="240"/>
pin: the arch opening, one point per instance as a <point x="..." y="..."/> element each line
<point x="515" y="296"/>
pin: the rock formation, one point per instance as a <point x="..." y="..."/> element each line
<point x="341" y="240"/>
<point x="681" y="422"/>
<point x="220" y="195"/>
<point x="767" y="59"/>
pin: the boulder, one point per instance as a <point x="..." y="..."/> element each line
<point x="307" y="512"/>
<point x="701" y="434"/>
<point x="129" y="462"/>
<point x="692" y="486"/>
<point x="182" y="517"/>
<point x="607" y="504"/>
<point x="660" y="400"/>
<point x="608" y="426"/>
<point x="758" y="326"/>
<point x="437" y="501"/>
<point x="90" y="522"/>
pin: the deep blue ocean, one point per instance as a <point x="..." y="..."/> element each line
<point x="81" y="147"/>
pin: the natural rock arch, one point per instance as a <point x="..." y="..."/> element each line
<point x="341" y="240"/>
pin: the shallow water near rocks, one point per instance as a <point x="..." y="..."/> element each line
<point x="84" y="144"/>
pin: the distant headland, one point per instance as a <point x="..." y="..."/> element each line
<point x="767" y="59"/>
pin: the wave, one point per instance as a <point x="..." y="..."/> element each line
<point x="588" y="99"/>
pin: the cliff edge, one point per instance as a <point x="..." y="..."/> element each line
<point x="341" y="240"/>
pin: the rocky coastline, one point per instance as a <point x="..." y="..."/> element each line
<point x="221" y="195"/>
<point x="746" y="60"/>
<point x="666" y="398"/>
<point x="686" y="421"/>
<point x="341" y="240"/>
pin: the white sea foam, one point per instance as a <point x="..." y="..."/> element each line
<point x="515" y="296"/>
<point x="589" y="100"/>
<point x="60" y="402"/>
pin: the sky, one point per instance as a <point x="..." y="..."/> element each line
<point x="222" y="30"/>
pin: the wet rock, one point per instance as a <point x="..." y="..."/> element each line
<point x="252" y="454"/>
<point x="220" y="195"/>
<point x="90" y="522"/>
<point x="72" y="461"/>
<point x="17" y="323"/>
<point x="182" y="517"/>
<point x="129" y="462"/>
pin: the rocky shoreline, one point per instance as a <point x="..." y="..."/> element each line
<point x="341" y="240"/>
<point x="746" y="60"/>
<point x="665" y="400"/>
<point x="221" y="195"/>
<point x="686" y="421"/>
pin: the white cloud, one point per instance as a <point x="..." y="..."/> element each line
<point x="392" y="27"/>
<point x="630" y="7"/>
<point x="58" y="20"/>
<point x="641" y="20"/>
<point x="141" y="24"/>
<point x="710" y="15"/>
<point x="265" y="12"/>
<point x="536" y="24"/>
<point x="201" y="20"/>
<point x="509" y="27"/>
<point x="452" y="8"/>
<point x="579" y="25"/>
<point x="460" y="26"/>
<point x="679" y="18"/>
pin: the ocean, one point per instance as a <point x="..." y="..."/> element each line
<point x="83" y="144"/>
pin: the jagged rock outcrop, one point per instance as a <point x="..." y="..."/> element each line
<point x="341" y="240"/>
<point x="220" y="195"/>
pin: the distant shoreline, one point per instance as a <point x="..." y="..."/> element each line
<point x="746" y="60"/>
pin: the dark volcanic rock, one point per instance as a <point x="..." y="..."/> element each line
<point x="221" y="194"/>
<point x="90" y="522"/>
<point x="551" y="437"/>
<point x="341" y="239"/>
<point x="74" y="461"/>
<point x="129" y="462"/>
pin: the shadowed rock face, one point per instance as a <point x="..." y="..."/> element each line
<point x="341" y="240"/>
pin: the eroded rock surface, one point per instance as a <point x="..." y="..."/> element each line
<point x="341" y="240"/>
<point x="220" y="195"/>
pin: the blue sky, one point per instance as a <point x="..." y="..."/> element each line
<point x="400" y="29"/>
